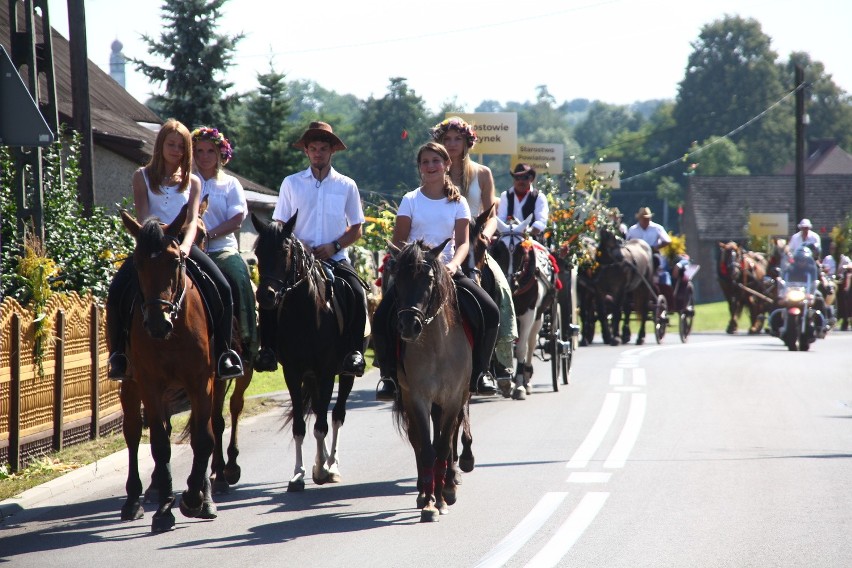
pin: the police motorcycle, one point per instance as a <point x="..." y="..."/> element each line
<point x="799" y="315"/>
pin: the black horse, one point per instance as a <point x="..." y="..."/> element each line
<point x="624" y="277"/>
<point x="309" y="340"/>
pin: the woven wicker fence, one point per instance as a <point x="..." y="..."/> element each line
<point x="72" y="401"/>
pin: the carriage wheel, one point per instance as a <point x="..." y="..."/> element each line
<point x="687" y="314"/>
<point x="661" y="318"/>
<point x="566" y="352"/>
<point x="553" y="339"/>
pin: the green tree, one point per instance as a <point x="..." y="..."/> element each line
<point x="263" y="150"/>
<point x="383" y="150"/>
<point x="732" y="77"/>
<point x="196" y="93"/>
<point x="602" y="124"/>
<point x="829" y="107"/>
<point x="719" y="157"/>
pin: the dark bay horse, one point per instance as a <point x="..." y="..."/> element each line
<point x="170" y="347"/>
<point x="740" y="274"/>
<point x="434" y="370"/>
<point x="309" y="342"/>
<point x="527" y="267"/>
<point x="624" y="277"/>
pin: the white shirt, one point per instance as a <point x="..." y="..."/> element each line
<point x="655" y="235"/>
<point x="226" y="198"/>
<point x="833" y="268"/>
<point x="165" y="206"/>
<point x="540" y="213"/>
<point x="433" y="220"/>
<point x="797" y="242"/>
<point x="325" y="208"/>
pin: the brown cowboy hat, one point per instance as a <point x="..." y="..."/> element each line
<point x="320" y="131"/>
<point x="522" y="170"/>
<point x="644" y="213"/>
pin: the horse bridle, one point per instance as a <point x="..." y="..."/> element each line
<point x="180" y="288"/>
<point x="418" y="313"/>
<point x="293" y="279"/>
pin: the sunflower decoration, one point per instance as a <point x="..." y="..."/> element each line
<point x="676" y="249"/>
<point x="378" y="226"/>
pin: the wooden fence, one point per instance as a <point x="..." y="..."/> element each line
<point x="73" y="400"/>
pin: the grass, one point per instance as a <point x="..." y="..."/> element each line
<point x="56" y="464"/>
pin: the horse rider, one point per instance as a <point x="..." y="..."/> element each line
<point x="805" y="237"/>
<point x="656" y="236"/>
<point x="160" y="189"/>
<point x="523" y="200"/>
<point x="330" y="219"/>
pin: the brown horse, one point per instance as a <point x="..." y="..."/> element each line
<point x="741" y="276"/>
<point x="434" y="370"/>
<point x="169" y="345"/>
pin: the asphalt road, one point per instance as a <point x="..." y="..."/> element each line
<point x="724" y="451"/>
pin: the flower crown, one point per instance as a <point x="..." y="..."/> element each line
<point x="454" y="123"/>
<point x="226" y="151"/>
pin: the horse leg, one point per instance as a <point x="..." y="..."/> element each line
<point x="297" y="482"/>
<point x="164" y="519"/>
<point x="466" y="459"/>
<point x="320" y="473"/>
<point x="217" y="464"/>
<point x="132" y="430"/>
<point x="232" y="470"/>
<point x="197" y="501"/>
<point x="338" y="417"/>
<point x="532" y="341"/>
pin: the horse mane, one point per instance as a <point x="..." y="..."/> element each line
<point x="275" y="241"/>
<point x="150" y="237"/>
<point x="413" y="258"/>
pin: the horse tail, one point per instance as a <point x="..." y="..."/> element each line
<point x="400" y="418"/>
<point x="306" y="407"/>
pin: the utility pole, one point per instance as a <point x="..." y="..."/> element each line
<point x="801" y="124"/>
<point x="80" y="101"/>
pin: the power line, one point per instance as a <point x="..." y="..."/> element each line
<point x="719" y="139"/>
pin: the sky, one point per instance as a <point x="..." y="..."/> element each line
<point x="467" y="51"/>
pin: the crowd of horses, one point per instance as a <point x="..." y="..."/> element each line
<point x="169" y="349"/>
<point x="748" y="280"/>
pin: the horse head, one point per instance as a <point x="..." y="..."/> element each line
<point x="505" y="248"/>
<point x="478" y="246"/>
<point x="730" y="260"/>
<point x="283" y="262"/>
<point x="423" y="286"/>
<point x="161" y="270"/>
<point x="609" y="251"/>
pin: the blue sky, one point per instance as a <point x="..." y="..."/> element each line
<point x="617" y="51"/>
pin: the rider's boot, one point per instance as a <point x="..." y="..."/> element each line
<point x="354" y="364"/>
<point x="265" y="360"/>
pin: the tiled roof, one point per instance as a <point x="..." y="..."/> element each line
<point x="721" y="205"/>
<point x="825" y="157"/>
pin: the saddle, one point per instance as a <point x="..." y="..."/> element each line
<point x="339" y="293"/>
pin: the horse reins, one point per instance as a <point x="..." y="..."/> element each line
<point x="294" y="279"/>
<point x="174" y="307"/>
<point x="418" y="313"/>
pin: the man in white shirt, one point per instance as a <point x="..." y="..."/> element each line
<point x="655" y="235"/>
<point x="330" y="219"/>
<point x="523" y="200"/>
<point x="805" y="237"/>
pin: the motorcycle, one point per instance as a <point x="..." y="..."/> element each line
<point x="798" y="319"/>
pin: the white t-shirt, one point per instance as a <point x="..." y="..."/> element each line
<point x="226" y="198"/>
<point x="165" y="206"/>
<point x="325" y="208"/>
<point x="655" y="235"/>
<point x="832" y="268"/>
<point x="433" y="220"/>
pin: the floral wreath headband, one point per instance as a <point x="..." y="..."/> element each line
<point x="454" y="123"/>
<point x="226" y="151"/>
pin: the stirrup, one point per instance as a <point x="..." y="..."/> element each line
<point x="224" y="371"/>
<point x="485" y="384"/>
<point x="387" y="389"/>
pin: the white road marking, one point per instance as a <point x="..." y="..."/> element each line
<point x="589" y="477"/>
<point x="519" y="536"/>
<point x="616" y="376"/>
<point x="593" y="440"/>
<point x="621" y="450"/>
<point x="571" y="530"/>
<point x="639" y="377"/>
<point x="627" y="389"/>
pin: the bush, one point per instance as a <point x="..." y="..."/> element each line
<point x="86" y="249"/>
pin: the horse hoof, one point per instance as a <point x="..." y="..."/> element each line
<point x="296" y="485"/>
<point x="519" y="394"/>
<point x="163" y="522"/>
<point x="334" y="477"/>
<point x="319" y="475"/>
<point x="505" y="386"/>
<point x="449" y="495"/>
<point x="232" y="474"/>
<point x="220" y="486"/>
<point x="208" y="510"/>
<point x="132" y="511"/>
<point x="443" y="508"/>
<point x="466" y="465"/>
<point x="429" y="514"/>
<point x="640" y="342"/>
<point x="528" y="388"/>
<point x="151" y="495"/>
<point x="422" y="501"/>
<point x="190" y="511"/>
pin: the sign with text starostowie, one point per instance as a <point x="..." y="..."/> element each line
<point x="497" y="132"/>
<point x="544" y="158"/>
<point x="767" y="224"/>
